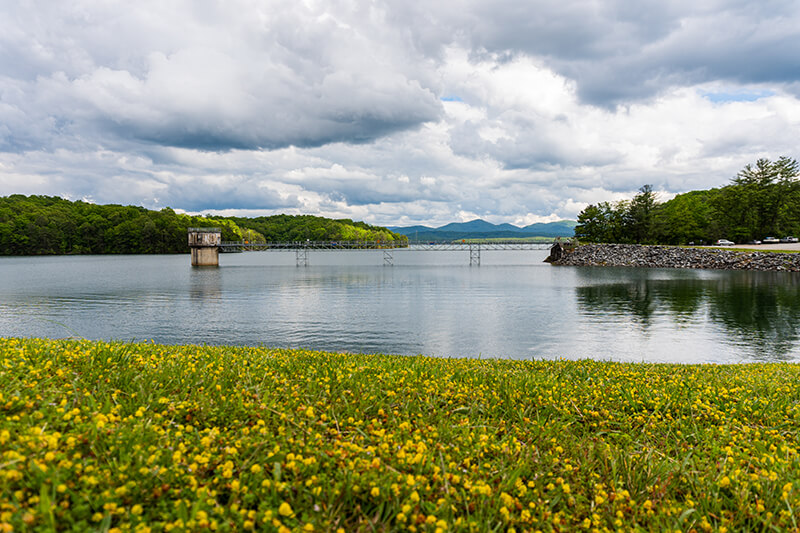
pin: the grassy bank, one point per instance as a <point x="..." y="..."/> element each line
<point x="136" y="437"/>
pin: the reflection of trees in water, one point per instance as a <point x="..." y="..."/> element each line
<point x="759" y="309"/>
<point x="684" y="298"/>
<point x="638" y="294"/>
<point x="634" y="299"/>
<point x="641" y="299"/>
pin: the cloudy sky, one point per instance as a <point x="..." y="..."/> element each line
<point x="394" y="112"/>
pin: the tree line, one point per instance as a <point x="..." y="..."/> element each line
<point x="294" y="228"/>
<point x="45" y="225"/>
<point x="762" y="200"/>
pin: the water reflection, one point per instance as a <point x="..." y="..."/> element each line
<point x="643" y="300"/>
<point x="205" y="283"/>
<point x="516" y="310"/>
<point x="759" y="311"/>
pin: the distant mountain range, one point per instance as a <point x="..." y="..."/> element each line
<point x="480" y="229"/>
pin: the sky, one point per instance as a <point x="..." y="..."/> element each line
<point x="392" y="112"/>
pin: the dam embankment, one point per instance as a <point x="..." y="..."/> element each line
<point x="634" y="255"/>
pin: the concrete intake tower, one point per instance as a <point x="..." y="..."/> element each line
<point x="204" y="244"/>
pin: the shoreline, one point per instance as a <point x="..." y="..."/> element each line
<point x="661" y="256"/>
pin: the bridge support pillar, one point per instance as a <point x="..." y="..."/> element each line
<point x="204" y="244"/>
<point x="301" y="257"/>
<point x="474" y="255"/>
<point x="388" y="257"/>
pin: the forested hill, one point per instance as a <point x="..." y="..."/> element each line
<point x="40" y="225"/>
<point x="762" y="200"/>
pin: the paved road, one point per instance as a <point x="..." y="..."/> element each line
<point x="785" y="246"/>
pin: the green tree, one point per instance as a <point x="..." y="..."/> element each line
<point x="760" y="195"/>
<point x="686" y="218"/>
<point x="762" y="199"/>
<point x="591" y="224"/>
<point x="32" y="225"/>
<point x="640" y="217"/>
<point x="604" y="222"/>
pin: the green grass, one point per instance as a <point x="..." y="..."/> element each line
<point x="113" y="436"/>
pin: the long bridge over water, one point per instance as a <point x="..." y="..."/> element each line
<point x="206" y="245"/>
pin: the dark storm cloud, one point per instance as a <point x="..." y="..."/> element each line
<point x="619" y="51"/>
<point x="206" y="76"/>
<point x="187" y="132"/>
<point x="738" y="47"/>
<point x="296" y="77"/>
<point x="218" y="198"/>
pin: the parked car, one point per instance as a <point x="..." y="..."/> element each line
<point x="789" y="239"/>
<point x="723" y="242"/>
<point x="771" y="240"/>
<point x="756" y="241"/>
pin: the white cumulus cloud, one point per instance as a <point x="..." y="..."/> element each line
<point x="393" y="112"/>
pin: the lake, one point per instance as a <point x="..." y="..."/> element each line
<point x="433" y="303"/>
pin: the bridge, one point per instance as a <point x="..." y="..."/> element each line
<point x="206" y="245"/>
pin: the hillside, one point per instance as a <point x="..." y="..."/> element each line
<point x="480" y="229"/>
<point x="48" y="225"/>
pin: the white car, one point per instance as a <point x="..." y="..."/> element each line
<point x="723" y="242"/>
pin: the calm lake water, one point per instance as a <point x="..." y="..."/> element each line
<point x="433" y="303"/>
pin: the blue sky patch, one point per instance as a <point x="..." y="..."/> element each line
<point x="736" y="96"/>
<point x="451" y="99"/>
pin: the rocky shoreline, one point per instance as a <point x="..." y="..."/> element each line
<point x="633" y="255"/>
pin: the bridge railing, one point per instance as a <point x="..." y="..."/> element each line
<point x="380" y="245"/>
<point x="318" y="245"/>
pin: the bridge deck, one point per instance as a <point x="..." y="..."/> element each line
<point x="365" y="245"/>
